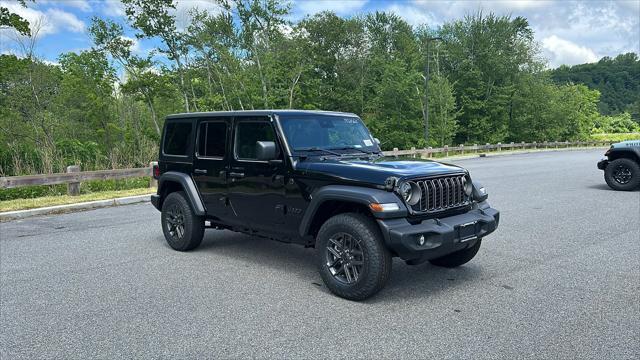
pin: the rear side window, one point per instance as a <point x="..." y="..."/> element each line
<point x="176" y="139"/>
<point x="212" y="139"/>
<point x="247" y="134"/>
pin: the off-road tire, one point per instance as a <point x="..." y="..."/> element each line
<point x="632" y="184"/>
<point x="376" y="259"/>
<point x="176" y="205"/>
<point x="459" y="257"/>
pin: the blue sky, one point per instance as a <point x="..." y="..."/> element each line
<point x="568" y="32"/>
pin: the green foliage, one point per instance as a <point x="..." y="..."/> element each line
<point x="477" y="79"/>
<point x="620" y="123"/>
<point x="30" y="192"/>
<point x="15" y="21"/>
<point x="617" y="79"/>
<point x="487" y="55"/>
<point x="614" y="138"/>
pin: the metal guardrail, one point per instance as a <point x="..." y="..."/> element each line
<point x="74" y="176"/>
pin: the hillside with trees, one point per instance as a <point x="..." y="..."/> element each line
<point x="617" y="79"/>
<point x="104" y="107"/>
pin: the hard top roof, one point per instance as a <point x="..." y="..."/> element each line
<point x="256" y="113"/>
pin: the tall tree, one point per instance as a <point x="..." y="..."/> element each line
<point x="485" y="56"/>
<point x="154" y="18"/>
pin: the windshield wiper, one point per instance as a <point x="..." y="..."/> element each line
<point x="314" y="149"/>
<point x="352" y="148"/>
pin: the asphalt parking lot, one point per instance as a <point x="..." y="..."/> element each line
<point x="559" y="279"/>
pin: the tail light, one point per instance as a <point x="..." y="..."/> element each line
<point x="156" y="171"/>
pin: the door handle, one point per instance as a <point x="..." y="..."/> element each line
<point x="199" y="171"/>
<point x="236" y="175"/>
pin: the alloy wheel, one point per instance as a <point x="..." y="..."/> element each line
<point x="622" y="174"/>
<point x="344" y="258"/>
<point x="175" y="222"/>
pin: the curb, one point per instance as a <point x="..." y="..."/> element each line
<point x="59" y="209"/>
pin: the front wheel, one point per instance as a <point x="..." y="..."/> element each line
<point x="622" y="174"/>
<point x="352" y="259"/>
<point x="459" y="257"/>
<point x="182" y="229"/>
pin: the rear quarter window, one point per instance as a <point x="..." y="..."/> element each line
<point x="177" y="138"/>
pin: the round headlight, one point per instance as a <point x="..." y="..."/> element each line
<point x="410" y="192"/>
<point x="468" y="186"/>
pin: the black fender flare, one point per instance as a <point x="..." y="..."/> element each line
<point x="478" y="195"/>
<point x="188" y="186"/>
<point x="632" y="152"/>
<point x="353" y="194"/>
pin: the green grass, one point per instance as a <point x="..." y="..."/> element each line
<point x="32" y="203"/>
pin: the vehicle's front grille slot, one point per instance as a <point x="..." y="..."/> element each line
<point x="442" y="193"/>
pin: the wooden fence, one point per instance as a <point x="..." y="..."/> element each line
<point x="462" y="149"/>
<point x="73" y="177"/>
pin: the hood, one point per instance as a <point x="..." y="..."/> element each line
<point x="376" y="171"/>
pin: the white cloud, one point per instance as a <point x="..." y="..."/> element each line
<point x="51" y="20"/>
<point x="53" y="63"/>
<point x="113" y="8"/>
<point x="415" y="16"/>
<point x="63" y="20"/>
<point x="185" y="7"/>
<point x="561" y="51"/>
<point x="340" y="7"/>
<point x="596" y="27"/>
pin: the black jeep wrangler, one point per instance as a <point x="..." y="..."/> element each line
<point x="318" y="179"/>
<point x="622" y="165"/>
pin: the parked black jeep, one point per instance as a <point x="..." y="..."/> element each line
<point x="622" y="165"/>
<point x="318" y="179"/>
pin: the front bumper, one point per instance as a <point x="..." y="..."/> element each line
<point x="602" y="164"/>
<point x="442" y="236"/>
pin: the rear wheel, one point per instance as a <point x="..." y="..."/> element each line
<point x="352" y="259"/>
<point x="182" y="229"/>
<point x="459" y="257"/>
<point x="622" y="174"/>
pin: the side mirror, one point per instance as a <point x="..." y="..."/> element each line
<point x="377" y="141"/>
<point x="265" y="150"/>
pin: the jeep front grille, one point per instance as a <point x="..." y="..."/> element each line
<point x="441" y="193"/>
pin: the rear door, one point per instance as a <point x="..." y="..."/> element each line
<point x="256" y="188"/>
<point x="210" y="164"/>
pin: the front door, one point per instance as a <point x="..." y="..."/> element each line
<point x="256" y="188"/>
<point x="209" y="170"/>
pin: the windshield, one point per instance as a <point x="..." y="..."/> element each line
<point x="322" y="132"/>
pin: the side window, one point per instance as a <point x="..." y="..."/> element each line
<point x="176" y="138"/>
<point x="247" y="134"/>
<point x="212" y="139"/>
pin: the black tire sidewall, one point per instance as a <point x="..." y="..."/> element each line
<point x="377" y="260"/>
<point x="633" y="184"/>
<point x="193" y="225"/>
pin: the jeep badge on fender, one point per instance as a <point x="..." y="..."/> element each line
<point x="318" y="179"/>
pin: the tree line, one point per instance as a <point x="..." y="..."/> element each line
<point x="477" y="79"/>
<point x="617" y="79"/>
